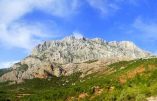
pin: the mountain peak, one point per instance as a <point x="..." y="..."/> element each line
<point x="75" y="37"/>
<point x="123" y="44"/>
<point x="99" y="40"/>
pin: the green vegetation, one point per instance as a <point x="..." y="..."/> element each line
<point x="3" y="71"/>
<point x="22" y="67"/>
<point x="123" y="81"/>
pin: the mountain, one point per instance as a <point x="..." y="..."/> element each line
<point x="72" y="55"/>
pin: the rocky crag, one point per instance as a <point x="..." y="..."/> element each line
<point x="70" y="55"/>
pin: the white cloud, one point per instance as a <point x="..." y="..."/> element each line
<point x="7" y="64"/>
<point x="16" y="33"/>
<point x="61" y="8"/>
<point x="104" y="6"/>
<point x="109" y="7"/>
<point x="147" y="30"/>
<point x="143" y="32"/>
<point x="23" y="35"/>
<point x="13" y="10"/>
<point x="78" y="35"/>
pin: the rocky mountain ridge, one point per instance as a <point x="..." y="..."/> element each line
<point x="74" y="50"/>
<point x="70" y="55"/>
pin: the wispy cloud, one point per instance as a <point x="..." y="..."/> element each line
<point x="16" y="33"/>
<point x="7" y="64"/>
<point x="104" y="6"/>
<point x="147" y="30"/>
<point x="109" y="7"/>
<point x="142" y="31"/>
<point x="78" y="35"/>
<point x="23" y="35"/>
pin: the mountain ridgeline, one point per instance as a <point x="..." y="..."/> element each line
<point x="72" y="55"/>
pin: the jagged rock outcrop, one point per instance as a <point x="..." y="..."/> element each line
<point x="70" y="55"/>
<point x="74" y="50"/>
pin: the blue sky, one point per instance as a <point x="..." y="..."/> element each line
<point x="25" y="23"/>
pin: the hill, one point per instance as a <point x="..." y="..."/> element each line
<point x="134" y="80"/>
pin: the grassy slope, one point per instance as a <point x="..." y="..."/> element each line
<point x="123" y="81"/>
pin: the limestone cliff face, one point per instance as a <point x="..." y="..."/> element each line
<point x="70" y="55"/>
<point x="74" y="50"/>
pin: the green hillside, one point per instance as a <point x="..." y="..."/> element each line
<point x="123" y="81"/>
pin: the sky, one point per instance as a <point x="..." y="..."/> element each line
<point x="26" y="23"/>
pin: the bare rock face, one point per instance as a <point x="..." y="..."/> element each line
<point x="70" y="55"/>
<point x="73" y="50"/>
